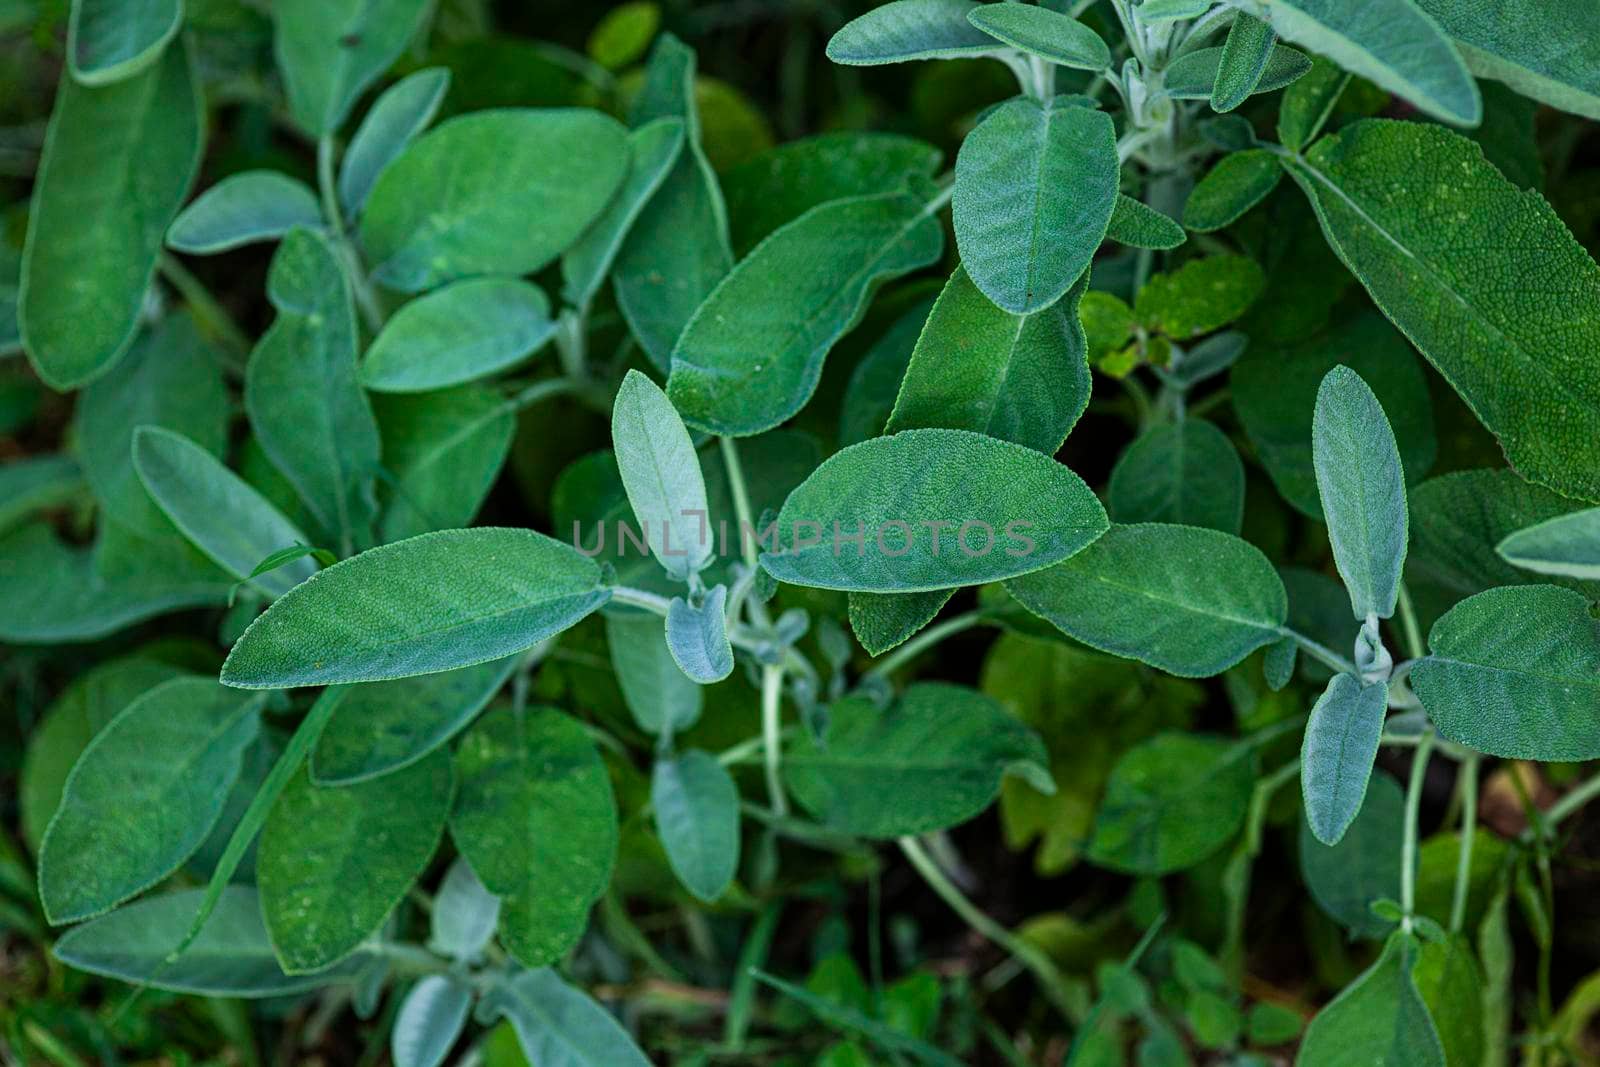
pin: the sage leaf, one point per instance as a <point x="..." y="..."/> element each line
<point x="1195" y="75"/>
<point x="910" y="29"/>
<point x="116" y="166"/>
<point x="697" y="637"/>
<point x="696" y="808"/>
<point x="558" y="1025"/>
<point x="231" y="958"/>
<point x="330" y="50"/>
<point x="459" y="333"/>
<point x="1345" y="879"/>
<point x="753" y="353"/>
<point x="1189" y="601"/>
<point x="1035" y="188"/>
<point x="661" y="473"/>
<point x="1309" y="103"/>
<point x="455" y="202"/>
<point x="109" y="40"/>
<point x="1380" y="1018"/>
<point x="429" y="1021"/>
<point x="881" y="621"/>
<point x="1249" y="46"/>
<point x="1567" y="545"/>
<point x="1238" y="182"/>
<point x="1200" y="296"/>
<point x="1336" y="756"/>
<point x="404" y="110"/>
<point x="653" y="150"/>
<point x="874" y="385"/>
<point x="333" y="863"/>
<point x="1279" y="663"/>
<point x="1171" y="802"/>
<point x="1205" y="360"/>
<point x="143" y="796"/>
<point x="220" y="513"/>
<point x="381" y="727"/>
<point x="444" y="451"/>
<point x="1003" y="510"/>
<point x="1138" y="225"/>
<point x="1391" y="42"/>
<point x="1180" y="472"/>
<point x="536" y="819"/>
<point x="1540" y="48"/>
<point x="661" y="697"/>
<point x="255" y="205"/>
<point x="1450" y="257"/>
<point x="1156" y="12"/>
<point x="1039" y="31"/>
<point x="400" y="610"/>
<point x="464" y="914"/>
<point x="1515" y="672"/>
<point x="1363" y="491"/>
<point x="301" y="393"/>
<point x="1446" y="976"/>
<point x="941" y="751"/>
<point x="34" y="484"/>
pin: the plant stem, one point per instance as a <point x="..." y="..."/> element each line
<point x="1467" y="785"/>
<point x="925" y="640"/>
<point x="772" y="735"/>
<point x="203" y="304"/>
<point x="349" y="258"/>
<point x="572" y="343"/>
<point x="1031" y="956"/>
<point x="1320" y="652"/>
<point x="1408" y="843"/>
<point x="627" y="594"/>
<point x="741" y="500"/>
<point x="1408" y="624"/>
<point x="1568" y="805"/>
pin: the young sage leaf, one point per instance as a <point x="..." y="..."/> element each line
<point x="459" y="333"/>
<point x="1138" y="225"/>
<point x="429" y="1021"/>
<point x="1196" y="75"/>
<point x="1567" y="545"/>
<point x="255" y="205"/>
<point x="330" y="50"/>
<point x="697" y="637"/>
<point x="559" y="1025"/>
<point x="1341" y="741"/>
<point x="661" y="473"/>
<point x="110" y="40"/>
<point x="1040" y="31"/>
<point x="404" y="110"/>
<point x="697" y="815"/>
<point x="1235" y="185"/>
<point x="464" y="914"/>
<point x="911" y="29"/>
<point x="1245" y="55"/>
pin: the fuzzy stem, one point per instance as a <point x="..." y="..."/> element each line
<point x="1408" y="844"/>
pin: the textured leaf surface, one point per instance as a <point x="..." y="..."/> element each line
<point x="910" y="29"/>
<point x="1446" y="975"/>
<point x="117" y="164"/>
<point x="1546" y="49"/>
<point x="1239" y="182"/>
<point x="109" y="40"/>
<point x="431" y="603"/>
<point x="751" y="356"/>
<point x="331" y="50"/>
<point x="1185" y="472"/>
<point x="1515" y="672"/>
<point x="464" y="914"/>
<point x="403" y="110"/>
<point x="661" y="697"/>
<point x="1200" y="296"/>
<point x="1194" y="76"/>
<point x="1379" y="1019"/>
<point x="1192" y="602"/>
<point x="1022" y="510"/>
<point x="256" y="205"/>
<point x="1136" y="224"/>
<point x="653" y="150"/>
<point x="1484" y="279"/>
<point x="1245" y="56"/>
<point x="661" y="474"/>
<point x="558" y="1025"/>
<point x="697" y="637"/>
<point x="1309" y="103"/>
<point x="1061" y="39"/>
<point x="429" y="1021"/>
<point x="1567" y="545"/>
<point x="455" y="202"/>
<point x="1364" y="866"/>
<point x="444" y="450"/>
<point x="143" y="796"/>
<point x="941" y="751"/>
<point x="697" y="815"/>
<point x="460" y="333"/>
<point x="1035" y="188"/>
<point x="1341" y="742"/>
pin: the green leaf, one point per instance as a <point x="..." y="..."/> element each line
<point x="623" y="33"/>
<point x="330" y="50"/>
<point x="1051" y="35"/>
<point x="1200" y="296"/>
<point x="1483" y="278"/>
<point x="116" y="166"/>
<point x="558" y="1025"/>
<point x="1020" y="511"/>
<point x="220" y="513"/>
<point x="143" y="796"/>
<point x="677" y="249"/>
<point x="697" y="637"/>
<point x="1195" y="75"/>
<point x="334" y="862"/>
<point x="661" y="473"/>
<point x="1341" y="743"/>
<point x="874" y="386"/>
<point x="1245" y="54"/>
<point x="1515" y="672"/>
<point x="661" y="697"/>
<point x="430" y="1021"/>
<point x="1391" y="42"/>
<point x="36" y="483"/>
<point x="1171" y="802"/>
<point x="404" y="110"/>
<point x="431" y="603"/>
<point x="170" y="378"/>
<point x="1205" y="360"/>
<point x="254" y="205"/>
<point x="1238" y="182"/>
<point x="751" y="356"/>
<point x="455" y="202"/>
<point x="1446" y="975"/>
<point x="382" y="727"/>
<point x="1566" y="545"/>
<point x="1139" y="226"/>
<point x="1540" y="48"/>
<point x="910" y="29"/>
<point x="464" y="914"/>
<point x="231" y="958"/>
<point x="1346" y="878"/>
<point x="1035" y="188"/>
<point x="1180" y="472"/>
<point x="697" y="815"/>
<point x="109" y="40"/>
<point x="1363" y="491"/>
<point x="462" y="332"/>
<point x="1497" y="954"/>
<point x="536" y="819"/>
<point x="1275" y="389"/>
<point x="1155" y="12"/>
<point x="940" y="751"/>
<point x="1192" y="602"/>
<point x="301" y="393"/>
<point x="881" y="621"/>
<point x="978" y="367"/>
<point x="653" y="150"/>
<point x="1379" y="1020"/>
<point x="445" y="451"/>
<point x="1309" y="103"/>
